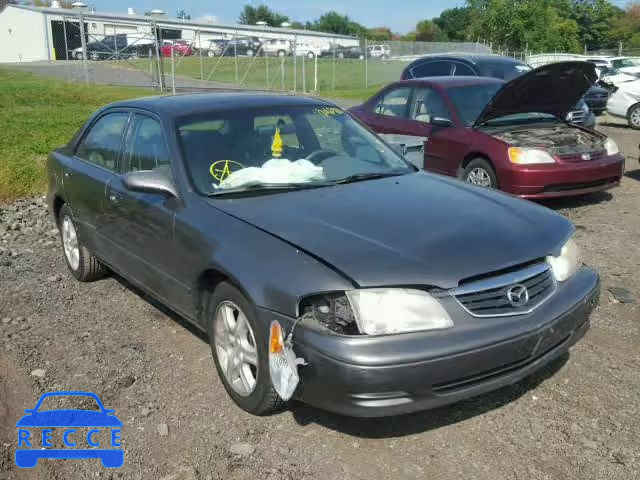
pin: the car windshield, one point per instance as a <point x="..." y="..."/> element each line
<point x="273" y="148"/>
<point x="503" y="70"/>
<point x="470" y="100"/>
<point x="626" y="62"/>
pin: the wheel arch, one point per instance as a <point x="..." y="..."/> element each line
<point x="58" y="202"/>
<point x="472" y="156"/>
<point x="206" y="283"/>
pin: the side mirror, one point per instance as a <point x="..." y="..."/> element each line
<point x="441" y="122"/>
<point x="150" y="181"/>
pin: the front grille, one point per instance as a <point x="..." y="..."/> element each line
<point x="489" y="297"/>
<point x="585" y="156"/>
<point x="576" y="116"/>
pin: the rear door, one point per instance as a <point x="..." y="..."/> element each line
<point x="139" y="225"/>
<point x="86" y="175"/>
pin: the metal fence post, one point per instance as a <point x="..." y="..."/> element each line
<point x="304" y="74"/>
<point x="235" y="53"/>
<point x="333" y="67"/>
<point x="66" y="47"/>
<point x="173" y="71"/>
<point x="315" y="73"/>
<point x="295" y="63"/>
<point x="282" y="72"/>
<point x="83" y="42"/>
<point x="199" y="33"/>
<point x="266" y="62"/>
<point x="156" y="35"/>
<point x="366" y="64"/>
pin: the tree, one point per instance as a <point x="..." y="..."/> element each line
<point x="455" y="22"/>
<point x="379" y="34"/>
<point x="595" y="19"/>
<point x="251" y="15"/>
<point x="182" y="15"/>
<point x="428" y="31"/>
<point x="333" y="22"/>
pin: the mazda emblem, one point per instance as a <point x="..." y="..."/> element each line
<point x="518" y="295"/>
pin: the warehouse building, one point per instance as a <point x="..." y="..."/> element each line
<point x="29" y="33"/>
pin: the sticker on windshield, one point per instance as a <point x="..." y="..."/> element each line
<point x="328" y="111"/>
<point x="221" y="169"/>
<point x="69" y="433"/>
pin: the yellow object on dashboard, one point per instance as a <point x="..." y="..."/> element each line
<point x="276" y="145"/>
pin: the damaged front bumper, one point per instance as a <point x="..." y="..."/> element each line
<point x="395" y="374"/>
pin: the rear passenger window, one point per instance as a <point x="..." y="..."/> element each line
<point x="394" y="103"/>
<point x="462" y="70"/>
<point x="431" y="69"/>
<point x="147" y="149"/>
<point x="102" y="144"/>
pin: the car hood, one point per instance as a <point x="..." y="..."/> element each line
<point x="552" y="89"/>
<point x="417" y="229"/>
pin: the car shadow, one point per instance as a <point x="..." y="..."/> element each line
<point x="633" y="174"/>
<point x="578" y="201"/>
<point x="176" y="317"/>
<point x="420" y="422"/>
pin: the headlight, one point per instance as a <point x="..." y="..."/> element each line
<point x="529" y="156"/>
<point x="611" y="146"/>
<point x="565" y="265"/>
<point x="380" y="311"/>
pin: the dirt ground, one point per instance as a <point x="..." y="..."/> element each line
<point x="577" y="419"/>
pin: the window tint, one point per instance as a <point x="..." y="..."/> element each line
<point x="462" y="70"/>
<point x="394" y="103"/>
<point x="432" y="69"/>
<point x="426" y="104"/>
<point x="147" y="149"/>
<point x="102" y="144"/>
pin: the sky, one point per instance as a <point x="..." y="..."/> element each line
<point x="371" y="13"/>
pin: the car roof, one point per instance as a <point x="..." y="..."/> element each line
<point x="475" y="59"/>
<point x="194" y="103"/>
<point x="448" y="82"/>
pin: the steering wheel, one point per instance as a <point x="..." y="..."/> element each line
<point x="320" y="155"/>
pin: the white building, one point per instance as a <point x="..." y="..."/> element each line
<point x="29" y="33"/>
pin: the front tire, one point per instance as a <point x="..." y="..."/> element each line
<point x="239" y="348"/>
<point x="634" y="117"/>
<point x="249" y="53"/>
<point x="80" y="262"/>
<point x="480" y="172"/>
<point x="310" y="55"/>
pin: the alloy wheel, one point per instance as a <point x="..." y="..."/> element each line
<point x="479" y="176"/>
<point x="634" y="118"/>
<point x="236" y="348"/>
<point x="70" y="243"/>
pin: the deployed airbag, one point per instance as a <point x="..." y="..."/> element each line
<point x="276" y="170"/>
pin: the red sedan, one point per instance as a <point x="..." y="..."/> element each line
<point x="510" y="136"/>
<point x="176" y="47"/>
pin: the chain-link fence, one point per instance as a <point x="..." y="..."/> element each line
<point x="176" y="56"/>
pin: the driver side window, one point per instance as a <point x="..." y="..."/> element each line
<point x="393" y="103"/>
<point x="427" y="104"/>
<point x="101" y="146"/>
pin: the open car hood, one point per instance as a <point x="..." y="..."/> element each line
<point x="554" y="89"/>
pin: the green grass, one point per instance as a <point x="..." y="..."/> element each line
<point x="344" y="78"/>
<point x="38" y="114"/>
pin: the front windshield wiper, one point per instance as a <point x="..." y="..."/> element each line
<point x="257" y="187"/>
<point x="368" y="176"/>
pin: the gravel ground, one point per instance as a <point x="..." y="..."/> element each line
<point x="577" y="419"/>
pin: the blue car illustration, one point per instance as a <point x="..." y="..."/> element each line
<point x="68" y="419"/>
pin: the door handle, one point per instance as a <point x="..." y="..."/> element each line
<point x="68" y="174"/>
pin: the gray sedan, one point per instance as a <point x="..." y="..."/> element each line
<point x="321" y="264"/>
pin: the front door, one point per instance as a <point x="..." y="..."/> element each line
<point x="139" y="224"/>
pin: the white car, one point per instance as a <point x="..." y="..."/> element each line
<point x="308" y="50"/>
<point x="627" y="65"/>
<point x="379" y="51"/>
<point x="277" y="46"/>
<point x="614" y="76"/>
<point x="625" y="103"/>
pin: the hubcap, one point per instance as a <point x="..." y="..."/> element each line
<point x="635" y="117"/>
<point x="70" y="243"/>
<point x="236" y="348"/>
<point x="479" y="176"/>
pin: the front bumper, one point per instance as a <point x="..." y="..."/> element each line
<point x="391" y="375"/>
<point x="563" y="179"/>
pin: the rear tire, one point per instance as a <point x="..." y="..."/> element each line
<point x="80" y="262"/>
<point x="262" y="398"/>
<point x="249" y="53"/>
<point x="633" y="117"/>
<point x="282" y="53"/>
<point x="310" y="55"/>
<point x="480" y="172"/>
